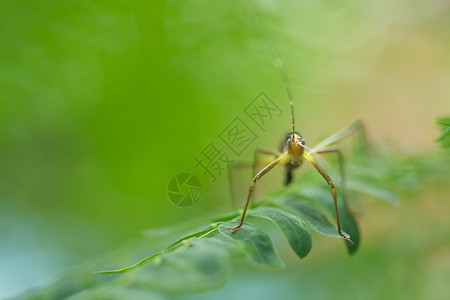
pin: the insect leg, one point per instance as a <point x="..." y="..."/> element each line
<point x="327" y="178"/>
<point x="253" y="184"/>
<point x="242" y="165"/>
<point x="342" y="173"/>
<point x="263" y="151"/>
<point x="355" y="126"/>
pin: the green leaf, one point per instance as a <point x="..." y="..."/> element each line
<point x="444" y="121"/>
<point x="256" y="243"/>
<point x="181" y="228"/>
<point x="198" y="265"/>
<point x="373" y="189"/>
<point x="292" y="227"/>
<point x="350" y="226"/>
<point x="202" y="231"/>
<point x="313" y="217"/>
<point x="139" y="263"/>
<point x="348" y="222"/>
<point x="444" y="139"/>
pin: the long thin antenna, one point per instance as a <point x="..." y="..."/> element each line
<point x="277" y="60"/>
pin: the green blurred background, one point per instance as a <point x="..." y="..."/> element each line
<point x="101" y="103"/>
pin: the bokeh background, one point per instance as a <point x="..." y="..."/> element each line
<point x="102" y="103"/>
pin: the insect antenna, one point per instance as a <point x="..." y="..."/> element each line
<point x="277" y="61"/>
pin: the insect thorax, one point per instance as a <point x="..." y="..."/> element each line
<point x="294" y="143"/>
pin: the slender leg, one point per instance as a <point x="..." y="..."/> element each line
<point x="256" y="158"/>
<point x="362" y="137"/>
<point x="231" y="186"/>
<point x="253" y="184"/>
<point x="355" y="126"/>
<point x="237" y="166"/>
<point x="327" y="178"/>
<point x="242" y="165"/>
<point x="263" y="151"/>
<point x="230" y="179"/>
<point x="342" y="172"/>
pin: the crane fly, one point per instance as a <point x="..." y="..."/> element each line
<point x="293" y="151"/>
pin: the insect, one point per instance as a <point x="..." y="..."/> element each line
<point x="293" y="151"/>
